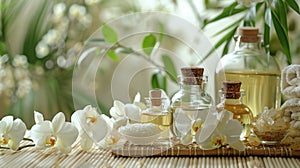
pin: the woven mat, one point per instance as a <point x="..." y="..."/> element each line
<point x="30" y="157"/>
<point x="194" y="150"/>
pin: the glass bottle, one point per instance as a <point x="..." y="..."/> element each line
<point x="191" y="99"/>
<point x="231" y="100"/>
<point x="157" y="111"/>
<point x="259" y="73"/>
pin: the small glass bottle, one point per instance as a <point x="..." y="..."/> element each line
<point x="191" y="99"/>
<point x="259" y="72"/>
<point x="231" y="100"/>
<point x="157" y="111"/>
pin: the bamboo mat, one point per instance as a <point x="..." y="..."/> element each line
<point x="194" y="150"/>
<point x="30" y="157"/>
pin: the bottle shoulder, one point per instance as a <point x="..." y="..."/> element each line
<point x="253" y="63"/>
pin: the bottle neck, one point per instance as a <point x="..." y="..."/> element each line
<point x="237" y="98"/>
<point x="246" y="45"/>
<point x="192" y="88"/>
<point x="232" y="101"/>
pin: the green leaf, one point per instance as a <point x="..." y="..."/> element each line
<point x="159" y="81"/>
<point x="169" y="67"/>
<point x="228" y="11"/>
<point x="3" y="49"/>
<point x="112" y="54"/>
<point x="227" y="37"/>
<point x="148" y="44"/>
<point x="268" y="17"/>
<point x="281" y="10"/>
<point x="124" y="50"/>
<point x="267" y="27"/>
<point x="267" y="38"/>
<point x="282" y="35"/>
<point x="230" y="26"/>
<point x="226" y="47"/>
<point x="294" y="5"/>
<point x="109" y="34"/>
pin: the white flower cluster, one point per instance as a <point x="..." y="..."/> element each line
<point x="66" y="22"/>
<point x="14" y="76"/>
<point x="92" y="128"/>
<point x="212" y="131"/>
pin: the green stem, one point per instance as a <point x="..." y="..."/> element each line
<point x="139" y="54"/>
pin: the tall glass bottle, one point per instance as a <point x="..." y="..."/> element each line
<point x="191" y="99"/>
<point x="259" y="73"/>
<point x="231" y="100"/>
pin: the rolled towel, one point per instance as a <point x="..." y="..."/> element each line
<point x="291" y="105"/>
<point x="284" y="83"/>
<point x="293" y="74"/>
<point x="291" y="91"/>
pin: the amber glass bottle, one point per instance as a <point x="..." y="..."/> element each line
<point x="231" y="100"/>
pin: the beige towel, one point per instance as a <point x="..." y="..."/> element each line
<point x="290" y="76"/>
<point x="293" y="74"/>
<point x="284" y="83"/>
<point x="291" y="91"/>
<point x="291" y="105"/>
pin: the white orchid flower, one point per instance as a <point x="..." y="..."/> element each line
<point x="114" y="138"/>
<point x="226" y="131"/>
<point x="57" y="132"/>
<point x="91" y="125"/>
<point x="186" y="124"/>
<point x="131" y="111"/>
<point x="11" y="132"/>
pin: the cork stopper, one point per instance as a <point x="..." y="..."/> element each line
<point x="192" y="75"/>
<point x="248" y="34"/>
<point x="155" y="97"/>
<point x="231" y="89"/>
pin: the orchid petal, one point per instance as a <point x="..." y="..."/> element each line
<point x="58" y="122"/>
<point x="137" y="97"/>
<point x="75" y="120"/>
<point x="86" y="142"/>
<point x="182" y="122"/>
<point x="2" y="127"/>
<point x="238" y="145"/>
<point x="119" y="108"/>
<point x="133" y="112"/>
<point x="208" y="127"/>
<point x="141" y="105"/>
<point x="38" y="117"/>
<point x="233" y="130"/>
<point x="60" y="145"/>
<point x="99" y="129"/>
<point x="9" y="122"/>
<point x="120" y="122"/>
<point x="224" y="117"/>
<point x="68" y="134"/>
<point x="17" y="133"/>
<point x="113" y="112"/>
<point x="40" y="132"/>
<point x="186" y="139"/>
<point x="109" y="121"/>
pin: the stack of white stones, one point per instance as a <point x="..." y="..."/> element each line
<point x="290" y="86"/>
